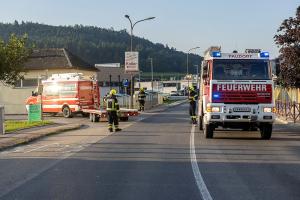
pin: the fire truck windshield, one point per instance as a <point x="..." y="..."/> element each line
<point x="232" y="69"/>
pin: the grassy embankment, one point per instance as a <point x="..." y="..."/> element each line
<point x="13" y="125"/>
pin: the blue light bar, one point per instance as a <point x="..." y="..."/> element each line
<point x="216" y="96"/>
<point x="264" y="54"/>
<point x="216" y="54"/>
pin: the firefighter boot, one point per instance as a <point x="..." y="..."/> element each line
<point x="110" y="130"/>
<point x="118" y="129"/>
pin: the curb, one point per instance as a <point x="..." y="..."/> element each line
<point x="281" y="121"/>
<point x="288" y="123"/>
<point x="30" y="137"/>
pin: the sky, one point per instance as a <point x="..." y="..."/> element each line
<point x="182" y="24"/>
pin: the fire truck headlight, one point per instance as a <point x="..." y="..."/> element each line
<point x="213" y="109"/>
<point x="269" y="109"/>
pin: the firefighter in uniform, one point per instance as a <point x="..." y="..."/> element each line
<point x="192" y="99"/>
<point x="112" y="108"/>
<point x="141" y="98"/>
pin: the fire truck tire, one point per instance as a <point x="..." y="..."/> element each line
<point x="67" y="113"/>
<point x="208" y="130"/>
<point x="266" y="131"/>
<point x="124" y="119"/>
<point x="200" y="123"/>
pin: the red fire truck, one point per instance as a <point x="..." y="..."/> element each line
<point x="236" y="91"/>
<point x="73" y="93"/>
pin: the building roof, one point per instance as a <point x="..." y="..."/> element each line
<point x="56" y="59"/>
<point x="104" y="73"/>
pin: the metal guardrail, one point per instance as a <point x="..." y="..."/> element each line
<point x="288" y="110"/>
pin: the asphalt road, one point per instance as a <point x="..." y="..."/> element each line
<point x="159" y="155"/>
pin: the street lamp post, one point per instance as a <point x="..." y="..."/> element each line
<point x="187" y="63"/>
<point x="151" y="62"/>
<point x="131" y="35"/>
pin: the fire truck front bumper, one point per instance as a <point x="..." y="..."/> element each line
<point x="224" y="113"/>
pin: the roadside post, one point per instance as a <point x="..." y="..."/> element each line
<point x="2" y="127"/>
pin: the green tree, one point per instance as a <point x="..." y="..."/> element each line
<point x="288" y="39"/>
<point x="13" y="54"/>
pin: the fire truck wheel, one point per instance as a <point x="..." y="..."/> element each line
<point x="200" y="123"/>
<point x="208" y="130"/>
<point x="67" y="113"/>
<point x="266" y="131"/>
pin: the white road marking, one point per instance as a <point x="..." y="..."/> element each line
<point x="40" y="147"/>
<point x="198" y="177"/>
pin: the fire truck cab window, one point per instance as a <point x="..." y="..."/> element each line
<point x="240" y="70"/>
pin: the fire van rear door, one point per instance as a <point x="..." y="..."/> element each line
<point x="85" y="93"/>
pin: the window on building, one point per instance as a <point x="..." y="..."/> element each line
<point x="29" y="82"/>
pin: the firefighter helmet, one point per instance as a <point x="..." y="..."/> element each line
<point x="113" y="92"/>
<point x="191" y="88"/>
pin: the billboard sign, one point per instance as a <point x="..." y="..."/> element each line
<point x="131" y="62"/>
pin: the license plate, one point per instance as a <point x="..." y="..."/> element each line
<point x="241" y="109"/>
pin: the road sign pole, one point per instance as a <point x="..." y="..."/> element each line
<point x="131" y="92"/>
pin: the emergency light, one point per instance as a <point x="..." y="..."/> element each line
<point x="216" y="96"/>
<point x="264" y="54"/>
<point x="216" y="54"/>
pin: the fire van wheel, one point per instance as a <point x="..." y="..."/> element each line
<point x="266" y="131"/>
<point x="208" y="130"/>
<point x="67" y="113"/>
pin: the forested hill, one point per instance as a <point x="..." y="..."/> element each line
<point x="98" y="45"/>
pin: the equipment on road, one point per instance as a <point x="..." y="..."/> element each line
<point x="72" y="93"/>
<point x="236" y="91"/>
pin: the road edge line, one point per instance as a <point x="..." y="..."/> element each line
<point x="197" y="174"/>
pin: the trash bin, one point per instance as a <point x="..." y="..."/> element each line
<point x="2" y="127"/>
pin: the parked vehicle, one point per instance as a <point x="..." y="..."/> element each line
<point x="72" y="93"/>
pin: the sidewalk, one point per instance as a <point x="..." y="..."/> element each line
<point x="31" y="134"/>
<point x="289" y="122"/>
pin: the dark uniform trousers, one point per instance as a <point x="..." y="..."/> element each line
<point x="113" y="119"/>
<point x="192" y="99"/>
